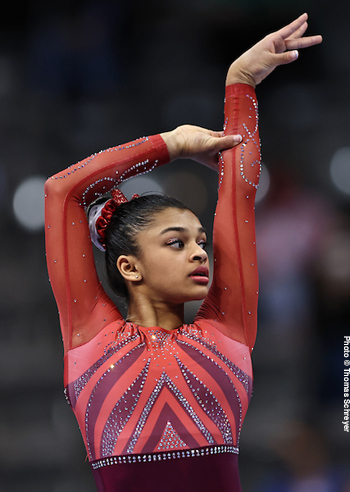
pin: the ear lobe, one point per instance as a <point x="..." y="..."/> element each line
<point x="127" y="265"/>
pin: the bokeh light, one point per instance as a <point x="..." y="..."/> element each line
<point x="140" y="185"/>
<point x="29" y="203"/>
<point x="340" y="169"/>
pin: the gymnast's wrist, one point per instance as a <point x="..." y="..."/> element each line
<point x="173" y="144"/>
<point x="238" y="74"/>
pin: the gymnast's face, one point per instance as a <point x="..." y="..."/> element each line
<point x="173" y="264"/>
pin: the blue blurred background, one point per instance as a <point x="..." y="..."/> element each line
<point x="79" y="76"/>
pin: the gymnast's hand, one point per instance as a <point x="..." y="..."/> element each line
<point x="199" y="144"/>
<point x="279" y="48"/>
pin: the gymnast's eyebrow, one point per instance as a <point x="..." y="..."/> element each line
<point x="181" y="229"/>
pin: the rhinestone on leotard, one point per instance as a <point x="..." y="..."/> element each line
<point x="250" y="138"/>
<point x="165" y="455"/>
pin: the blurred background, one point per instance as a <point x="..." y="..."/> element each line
<point x="80" y="76"/>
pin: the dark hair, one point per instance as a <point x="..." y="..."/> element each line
<point x="127" y="221"/>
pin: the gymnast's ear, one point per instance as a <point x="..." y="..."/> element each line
<point x="128" y="268"/>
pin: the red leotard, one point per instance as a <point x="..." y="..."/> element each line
<point x="160" y="410"/>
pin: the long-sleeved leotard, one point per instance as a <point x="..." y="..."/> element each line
<point x="159" y="409"/>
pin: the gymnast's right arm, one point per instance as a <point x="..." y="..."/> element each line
<point x="84" y="307"/>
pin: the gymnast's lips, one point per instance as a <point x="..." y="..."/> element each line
<point x="200" y="275"/>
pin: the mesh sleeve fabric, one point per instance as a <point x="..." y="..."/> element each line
<point x="232" y="300"/>
<point x="84" y="307"/>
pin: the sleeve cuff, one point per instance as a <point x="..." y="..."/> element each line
<point x="161" y="149"/>
<point x="239" y="89"/>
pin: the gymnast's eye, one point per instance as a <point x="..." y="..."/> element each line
<point x="175" y="243"/>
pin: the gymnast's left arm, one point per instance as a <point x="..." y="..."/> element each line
<point x="232" y="300"/>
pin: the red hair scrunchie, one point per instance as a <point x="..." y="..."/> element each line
<point x="103" y="221"/>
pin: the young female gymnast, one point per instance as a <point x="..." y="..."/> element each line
<point x="160" y="403"/>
